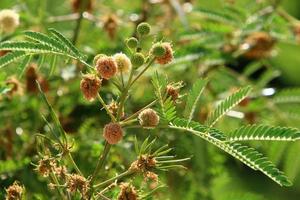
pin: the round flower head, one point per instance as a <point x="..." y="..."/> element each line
<point x="158" y="50"/>
<point x="106" y="67"/>
<point x="9" y="20"/>
<point x="132" y="42"/>
<point x="90" y="85"/>
<point x="123" y="62"/>
<point x="127" y="192"/>
<point x="14" y="192"/>
<point x="172" y="92"/>
<point x="112" y="133"/>
<point x="148" y="118"/>
<point x="137" y="59"/>
<point x="76" y="182"/>
<point x="167" y="57"/>
<point x="143" y="28"/>
<point x="96" y="58"/>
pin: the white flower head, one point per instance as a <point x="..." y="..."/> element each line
<point x="9" y="20"/>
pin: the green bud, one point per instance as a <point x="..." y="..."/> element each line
<point x="158" y="50"/>
<point x="132" y="42"/>
<point x="143" y="28"/>
<point x="137" y="59"/>
<point x="97" y="58"/>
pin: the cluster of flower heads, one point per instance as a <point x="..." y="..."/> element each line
<point x="14" y="192"/>
<point x="9" y="20"/>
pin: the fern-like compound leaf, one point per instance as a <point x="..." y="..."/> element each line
<point x="291" y="95"/>
<point x="193" y="98"/>
<point x="264" y="132"/>
<point x="11" y="57"/>
<point x="227" y="104"/>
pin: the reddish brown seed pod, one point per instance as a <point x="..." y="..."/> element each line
<point x="106" y="67"/>
<point x="90" y="85"/>
<point x="113" y="133"/>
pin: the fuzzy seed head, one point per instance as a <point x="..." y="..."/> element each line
<point x="14" y="192"/>
<point x="113" y="133"/>
<point x="158" y="50"/>
<point x="96" y="58"/>
<point x="132" y="42"/>
<point x="45" y="166"/>
<point x="106" y="67"/>
<point x="143" y="28"/>
<point x="76" y="182"/>
<point x="137" y="59"/>
<point x="148" y="118"/>
<point x="127" y="192"/>
<point x="90" y="85"/>
<point x="172" y="92"/>
<point x="123" y="62"/>
<point x="9" y="20"/>
<point x="168" y="55"/>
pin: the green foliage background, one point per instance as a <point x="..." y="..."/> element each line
<point x="211" y="174"/>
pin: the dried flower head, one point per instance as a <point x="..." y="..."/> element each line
<point x="9" y="20"/>
<point x="148" y="118"/>
<point x="113" y="133"/>
<point x="167" y="57"/>
<point x="151" y="176"/>
<point x="113" y="108"/>
<point x="31" y="77"/>
<point x="110" y="25"/>
<point x="258" y="45"/>
<point x="143" y="164"/>
<point x="76" y="182"/>
<point x="106" y="67"/>
<point x="127" y="192"/>
<point x="172" y="92"/>
<point x="61" y="172"/>
<point x="123" y="62"/>
<point x="90" y="85"/>
<point x="45" y="166"/>
<point x="82" y="5"/>
<point x="14" y="192"/>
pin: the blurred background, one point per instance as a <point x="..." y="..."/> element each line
<point x="210" y="39"/>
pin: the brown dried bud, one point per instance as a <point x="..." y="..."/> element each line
<point x="82" y="5"/>
<point x="45" y="166"/>
<point x="31" y="77"/>
<point x="172" y="92"/>
<point x="90" y="85"/>
<point x="76" y="182"/>
<point x="61" y="171"/>
<point x="143" y="164"/>
<point x="113" y="108"/>
<point x="127" y="192"/>
<point x="14" y="192"/>
<point x="168" y="56"/>
<point x="259" y="45"/>
<point x="148" y="118"/>
<point x="111" y="25"/>
<point x="113" y="133"/>
<point x="106" y="67"/>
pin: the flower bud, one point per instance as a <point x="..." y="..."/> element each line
<point x="132" y="42"/>
<point x="106" y="67"/>
<point x="143" y="29"/>
<point x="137" y="59"/>
<point x="123" y="62"/>
<point x="158" y="50"/>
<point x="167" y="57"/>
<point x="112" y="133"/>
<point x="90" y="85"/>
<point x="9" y="20"/>
<point x="148" y="118"/>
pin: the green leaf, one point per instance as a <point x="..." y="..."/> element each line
<point x="11" y="57"/>
<point x="264" y="132"/>
<point x="291" y="95"/>
<point x="245" y="154"/>
<point x="226" y="105"/>
<point x="193" y="98"/>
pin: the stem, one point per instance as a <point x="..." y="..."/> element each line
<point x="138" y="112"/>
<point x="106" y="108"/>
<point x="127" y="122"/>
<point x="73" y="163"/>
<point x="77" y="28"/>
<point x="142" y="72"/>
<point x="100" y="162"/>
<point x="54" y="179"/>
<point x="124" y="174"/>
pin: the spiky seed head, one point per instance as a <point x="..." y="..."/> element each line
<point x="45" y="166"/>
<point x="132" y="42"/>
<point x="96" y="58"/>
<point x="127" y="192"/>
<point x="158" y="50"/>
<point x="123" y="62"/>
<point x="113" y="133"/>
<point x="137" y="59"/>
<point x="14" y="192"/>
<point x="143" y="28"/>
<point x="106" y="67"/>
<point x="148" y="118"/>
<point x="9" y="20"/>
<point x="90" y="85"/>
<point x="77" y="182"/>
<point x="167" y="57"/>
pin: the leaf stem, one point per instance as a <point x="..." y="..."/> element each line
<point x="122" y="175"/>
<point x="106" y="108"/>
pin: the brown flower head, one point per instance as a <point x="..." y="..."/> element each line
<point x="82" y="5"/>
<point x="113" y="133"/>
<point x="148" y="118"/>
<point x="90" y="85"/>
<point x="168" y="56"/>
<point x="106" y="67"/>
<point x="14" y="192"/>
<point x="61" y="171"/>
<point x="172" y="92"/>
<point x="45" y="166"/>
<point x="31" y="77"/>
<point x="258" y="45"/>
<point x="143" y="164"/>
<point x="76" y="182"/>
<point x="111" y="25"/>
<point x="113" y="108"/>
<point x="127" y="192"/>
